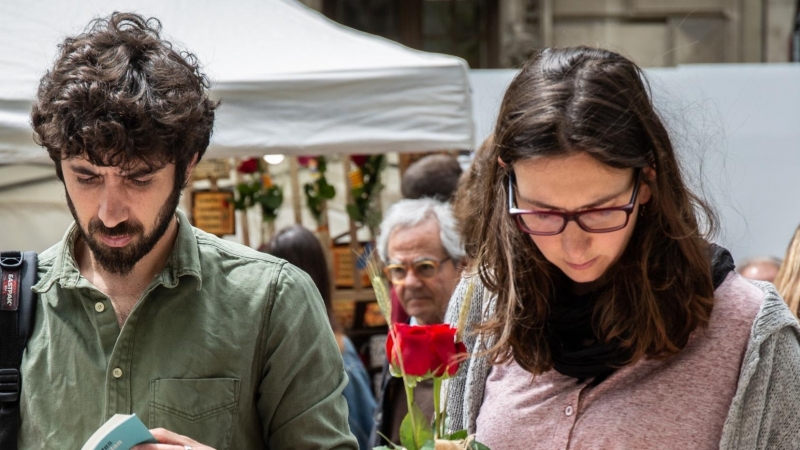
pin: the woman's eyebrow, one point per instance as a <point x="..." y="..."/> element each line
<point x="593" y="204"/>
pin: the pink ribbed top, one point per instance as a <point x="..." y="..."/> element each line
<point x="678" y="403"/>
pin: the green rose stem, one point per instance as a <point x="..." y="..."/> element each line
<point x="410" y="403"/>
<point x="437" y="421"/>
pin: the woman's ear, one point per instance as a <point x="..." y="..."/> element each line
<point x="502" y="164"/>
<point x="644" y="190"/>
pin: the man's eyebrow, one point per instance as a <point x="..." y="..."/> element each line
<point x="593" y="204"/>
<point x="82" y="170"/>
<point x="413" y="261"/>
<point x="135" y="173"/>
<point x="142" y="172"/>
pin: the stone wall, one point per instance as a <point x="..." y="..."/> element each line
<point x="653" y="33"/>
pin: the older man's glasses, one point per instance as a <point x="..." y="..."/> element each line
<point x="549" y="223"/>
<point x="423" y="269"/>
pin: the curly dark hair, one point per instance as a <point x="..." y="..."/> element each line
<point x="120" y="95"/>
<point x="581" y="99"/>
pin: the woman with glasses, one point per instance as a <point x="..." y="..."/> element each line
<point x="601" y="316"/>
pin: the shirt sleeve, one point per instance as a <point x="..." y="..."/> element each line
<point x="764" y="413"/>
<point x="300" y="395"/>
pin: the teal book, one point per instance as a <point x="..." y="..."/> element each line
<point x="120" y="432"/>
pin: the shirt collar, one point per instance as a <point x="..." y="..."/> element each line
<point x="183" y="260"/>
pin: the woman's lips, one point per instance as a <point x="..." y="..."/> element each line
<point x="583" y="266"/>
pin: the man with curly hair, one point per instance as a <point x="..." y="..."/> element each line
<point x="211" y="344"/>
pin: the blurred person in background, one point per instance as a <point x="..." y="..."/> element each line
<point x="787" y="281"/>
<point x="761" y="268"/>
<point x="300" y="247"/>
<point x="422" y="253"/>
<point x="433" y="176"/>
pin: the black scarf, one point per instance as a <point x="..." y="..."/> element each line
<point x="577" y="351"/>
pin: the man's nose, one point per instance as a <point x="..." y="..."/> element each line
<point x="411" y="279"/>
<point x="113" y="209"/>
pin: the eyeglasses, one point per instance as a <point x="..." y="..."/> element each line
<point x="423" y="269"/>
<point x="550" y="223"/>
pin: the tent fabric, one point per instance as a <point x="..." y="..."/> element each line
<point x="290" y="80"/>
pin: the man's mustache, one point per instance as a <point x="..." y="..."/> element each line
<point x="121" y="229"/>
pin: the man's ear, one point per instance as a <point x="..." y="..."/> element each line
<point x="191" y="166"/>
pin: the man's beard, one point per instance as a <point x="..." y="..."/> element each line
<point x="121" y="261"/>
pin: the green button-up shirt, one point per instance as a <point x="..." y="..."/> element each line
<point x="227" y="345"/>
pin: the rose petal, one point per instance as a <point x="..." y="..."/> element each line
<point x="442" y="346"/>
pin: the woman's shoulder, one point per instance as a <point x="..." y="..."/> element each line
<point x="737" y="299"/>
<point x="755" y="304"/>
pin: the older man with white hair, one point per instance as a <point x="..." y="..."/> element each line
<point x="422" y="250"/>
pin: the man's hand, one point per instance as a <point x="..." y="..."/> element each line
<point x="171" y="441"/>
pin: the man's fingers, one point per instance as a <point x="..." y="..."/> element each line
<point x="165" y="436"/>
<point x="158" y="447"/>
<point x="167" y="440"/>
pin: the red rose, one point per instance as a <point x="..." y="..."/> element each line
<point x="304" y="161"/>
<point x="248" y="166"/>
<point x="425" y="350"/>
<point x="359" y="160"/>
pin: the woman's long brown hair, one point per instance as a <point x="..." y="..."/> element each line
<point x="595" y="101"/>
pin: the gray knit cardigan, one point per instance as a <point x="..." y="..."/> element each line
<point x="764" y="412"/>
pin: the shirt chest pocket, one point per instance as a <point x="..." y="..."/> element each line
<point x="202" y="409"/>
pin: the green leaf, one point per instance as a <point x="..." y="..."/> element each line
<point x="391" y="444"/>
<point x="475" y="445"/>
<point x="354" y="213"/>
<point x="458" y="435"/>
<point x="272" y="201"/>
<point x="414" y="434"/>
<point x="255" y="186"/>
<point x="326" y="191"/>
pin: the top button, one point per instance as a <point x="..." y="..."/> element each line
<point x="117" y="373"/>
<point x="99" y="307"/>
<point x="568" y="411"/>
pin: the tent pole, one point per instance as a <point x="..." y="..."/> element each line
<point x="295" y="176"/>
<point x="243" y="213"/>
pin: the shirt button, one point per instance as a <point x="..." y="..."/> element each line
<point x="99" y="307"/>
<point x="568" y="411"/>
<point x="117" y="373"/>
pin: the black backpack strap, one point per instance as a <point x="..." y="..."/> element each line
<point x="17" y="308"/>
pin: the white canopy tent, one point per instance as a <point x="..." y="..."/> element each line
<point x="290" y="80"/>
